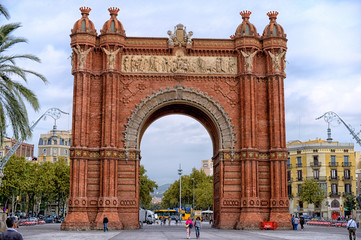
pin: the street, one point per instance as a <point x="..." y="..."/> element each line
<point x="52" y="231"/>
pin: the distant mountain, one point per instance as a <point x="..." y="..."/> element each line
<point x="160" y="191"/>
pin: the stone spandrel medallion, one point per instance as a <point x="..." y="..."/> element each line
<point x="179" y="64"/>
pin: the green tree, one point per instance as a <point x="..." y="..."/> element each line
<point x="349" y="203"/>
<point x="146" y="186"/>
<point x="203" y="191"/>
<point x="311" y="192"/>
<point x="13" y="93"/>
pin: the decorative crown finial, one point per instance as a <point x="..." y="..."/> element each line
<point x="85" y="10"/>
<point x="272" y="14"/>
<point x="245" y="14"/>
<point x="113" y="10"/>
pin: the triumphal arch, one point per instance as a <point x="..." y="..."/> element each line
<point x="233" y="86"/>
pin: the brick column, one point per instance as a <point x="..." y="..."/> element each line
<point x="278" y="154"/>
<point x="108" y="200"/>
<point x="77" y="216"/>
<point x="250" y="214"/>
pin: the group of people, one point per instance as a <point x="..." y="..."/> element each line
<point x="295" y="221"/>
<point x="190" y="223"/>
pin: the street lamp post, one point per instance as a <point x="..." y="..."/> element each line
<point x="180" y="192"/>
<point x="193" y="200"/>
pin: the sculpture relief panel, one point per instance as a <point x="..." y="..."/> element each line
<point x="179" y="64"/>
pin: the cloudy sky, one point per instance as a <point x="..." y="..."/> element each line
<point x="323" y="70"/>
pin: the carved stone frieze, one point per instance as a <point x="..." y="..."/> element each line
<point x="179" y="64"/>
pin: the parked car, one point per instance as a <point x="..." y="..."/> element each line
<point x="49" y="219"/>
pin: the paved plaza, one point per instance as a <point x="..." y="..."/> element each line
<point x="150" y="232"/>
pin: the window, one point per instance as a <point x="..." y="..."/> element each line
<point x="298" y="152"/>
<point x="333" y="173"/>
<point x="348" y="188"/>
<point x="299" y="162"/>
<point x="315" y="160"/>
<point x="345" y="160"/>
<point x="66" y="151"/>
<point x="300" y="204"/>
<point x="40" y="141"/>
<point x="299" y="188"/>
<point x="112" y="26"/>
<point x="66" y="143"/>
<point x="316" y="174"/>
<point x="61" y="141"/>
<point x="335" y="204"/>
<point x="83" y="26"/>
<point x="334" y="188"/>
<point x="288" y="162"/>
<point x="323" y="186"/>
<point x="55" y="142"/>
<point x="332" y="150"/>
<point x="44" y="150"/>
<point x="345" y="150"/>
<point x="346" y="173"/>
<point x="49" y="141"/>
<point x="247" y="29"/>
<point x="55" y="151"/>
<point x="289" y="189"/>
<point x="333" y="160"/>
<point x="315" y="150"/>
<point x="288" y="175"/>
<point x="299" y="175"/>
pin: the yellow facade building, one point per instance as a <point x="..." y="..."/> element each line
<point x="53" y="145"/>
<point x="332" y="164"/>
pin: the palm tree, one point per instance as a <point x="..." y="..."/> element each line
<point x="12" y="92"/>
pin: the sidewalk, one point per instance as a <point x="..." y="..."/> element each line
<point x="152" y="232"/>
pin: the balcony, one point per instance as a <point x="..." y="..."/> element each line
<point x="337" y="178"/>
<point x="334" y="194"/>
<point x="345" y="194"/>
<point x="335" y="164"/>
<point x="315" y="164"/>
<point x="317" y="179"/>
<point x="346" y="164"/>
<point x="298" y="164"/>
<point x="299" y="179"/>
<point x="349" y="178"/>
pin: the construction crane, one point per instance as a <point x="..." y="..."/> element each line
<point x="54" y="113"/>
<point x="330" y="116"/>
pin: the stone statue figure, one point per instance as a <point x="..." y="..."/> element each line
<point x="111" y="55"/>
<point x="81" y="55"/>
<point x="248" y="60"/>
<point x="171" y="38"/>
<point x="276" y="60"/>
<point x="189" y="38"/>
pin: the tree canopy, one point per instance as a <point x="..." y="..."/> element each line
<point x="312" y="192"/>
<point x="146" y="186"/>
<point x="203" y="191"/>
<point x="33" y="186"/>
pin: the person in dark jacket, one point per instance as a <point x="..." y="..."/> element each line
<point x="105" y="223"/>
<point x="302" y="221"/>
<point x="11" y="233"/>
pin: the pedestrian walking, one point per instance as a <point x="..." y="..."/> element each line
<point x="302" y="221"/>
<point x="189" y="226"/>
<point x="10" y="232"/>
<point x="197" y="226"/>
<point x="105" y="223"/>
<point x="351" y="227"/>
<point x="296" y="221"/>
<point x="293" y="222"/>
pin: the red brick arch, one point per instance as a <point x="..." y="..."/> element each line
<point x="234" y="87"/>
